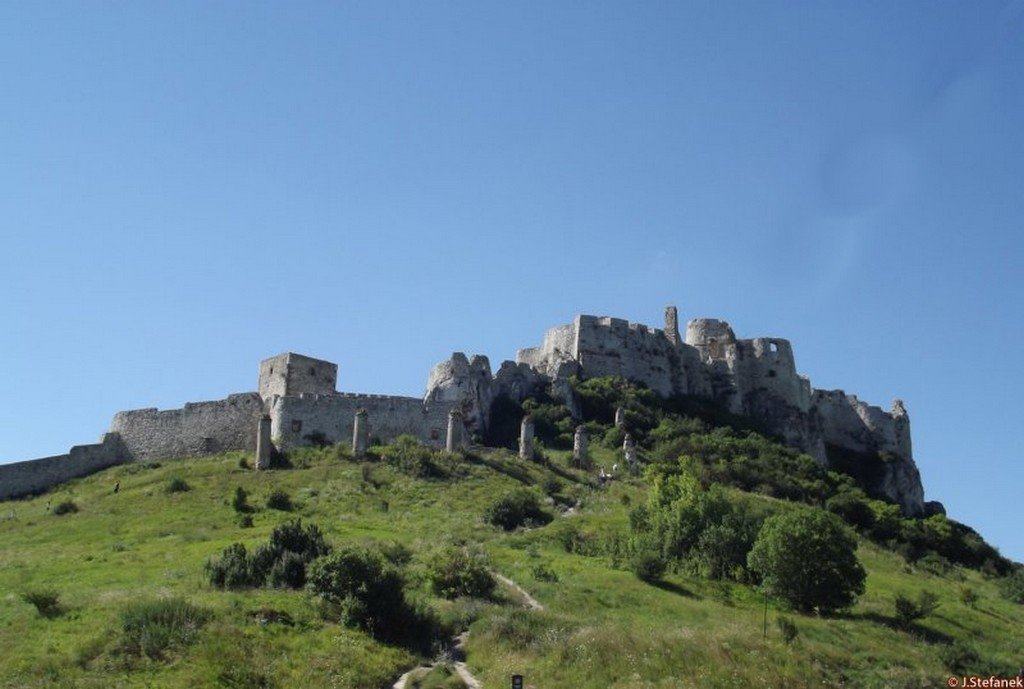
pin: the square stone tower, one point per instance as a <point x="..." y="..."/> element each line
<point x="295" y="374"/>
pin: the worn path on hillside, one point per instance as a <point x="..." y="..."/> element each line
<point x="458" y="648"/>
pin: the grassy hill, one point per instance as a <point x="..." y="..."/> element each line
<point x="601" y="626"/>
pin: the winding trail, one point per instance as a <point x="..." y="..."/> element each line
<point x="528" y="600"/>
<point x="456" y="653"/>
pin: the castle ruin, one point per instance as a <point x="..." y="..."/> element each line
<point x="297" y="400"/>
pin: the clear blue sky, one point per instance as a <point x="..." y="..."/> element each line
<point x="186" y="188"/>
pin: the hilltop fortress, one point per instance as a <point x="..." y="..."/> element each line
<point x="297" y="402"/>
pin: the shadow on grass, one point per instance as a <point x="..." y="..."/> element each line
<point x="930" y="636"/>
<point x="675" y="588"/>
<point x="512" y="472"/>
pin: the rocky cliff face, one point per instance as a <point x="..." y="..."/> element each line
<point x="756" y="378"/>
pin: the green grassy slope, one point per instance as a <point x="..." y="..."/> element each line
<point x="602" y="626"/>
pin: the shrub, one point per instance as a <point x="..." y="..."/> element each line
<point x="65" y="507"/>
<point x="366" y="589"/>
<point x="454" y="571"/>
<point x="516" y="508"/>
<point x="279" y="500"/>
<point x="245" y="521"/>
<point x="853" y="508"/>
<point x="808" y="558"/>
<point x="959" y="657"/>
<point x="281" y="562"/>
<point x="1013" y="586"/>
<point x="408" y="455"/>
<point x="240" y="501"/>
<point x="551" y="486"/>
<point x="177" y="485"/>
<point x="151" y="627"/>
<point x="542" y="572"/>
<point x="787" y="629"/>
<point x="721" y="549"/>
<point x="908" y="611"/>
<point x="287" y="572"/>
<point x="648" y="566"/>
<point x="968" y="596"/>
<point x="232" y="570"/>
<point x="46" y="602"/>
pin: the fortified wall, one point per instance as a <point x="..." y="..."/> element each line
<point x="756" y="378"/>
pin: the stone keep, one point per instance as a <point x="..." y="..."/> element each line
<point x="453" y="441"/>
<point x="360" y="434"/>
<point x="264" y="447"/>
<point x="526" y="438"/>
<point x="291" y="374"/>
<point x="579" y="447"/>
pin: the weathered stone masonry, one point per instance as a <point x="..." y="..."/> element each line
<point x="756" y="378"/>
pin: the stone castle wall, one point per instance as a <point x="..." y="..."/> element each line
<point x="297" y="420"/>
<point x="753" y="377"/>
<point x="198" y="428"/>
<point x="37" y="475"/>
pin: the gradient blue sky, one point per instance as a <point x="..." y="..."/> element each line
<point x="186" y="188"/>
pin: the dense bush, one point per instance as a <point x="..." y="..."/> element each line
<point x="907" y="611"/>
<point x="151" y="627"/>
<point x="517" y="508"/>
<point x="177" y="485"/>
<point x="65" y="507"/>
<point x="454" y="571"/>
<point x="279" y="500"/>
<point x="232" y="569"/>
<point x="1012" y="586"/>
<point x="687" y="524"/>
<point x="553" y="424"/>
<point x="648" y="565"/>
<point x="721" y="549"/>
<point x="808" y="558"/>
<point x="280" y="563"/>
<point x="366" y="589"/>
<point x="409" y="456"/>
<point x="45" y="601"/>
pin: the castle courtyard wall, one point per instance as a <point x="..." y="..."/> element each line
<point x="329" y="418"/>
<point x="37" y="475"/>
<point x="198" y="428"/>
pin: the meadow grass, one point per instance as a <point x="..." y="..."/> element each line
<point x="602" y="627"/>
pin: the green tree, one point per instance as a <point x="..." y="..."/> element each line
<point x="807" y="557"/>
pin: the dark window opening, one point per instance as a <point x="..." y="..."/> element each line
<point x="771" y="373"/>
<point x="312" y="371"/>
<point x="296" y="425"/>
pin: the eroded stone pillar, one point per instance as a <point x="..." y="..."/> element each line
<point x="453" y="443"/>
<point x="526" y="438"/>
<point x="629" y="451"/>
<point x="620" y="418"/>
<point x="580" y="447"/>
<point x="264" y="447"/>
<point x="360" y="433"/>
